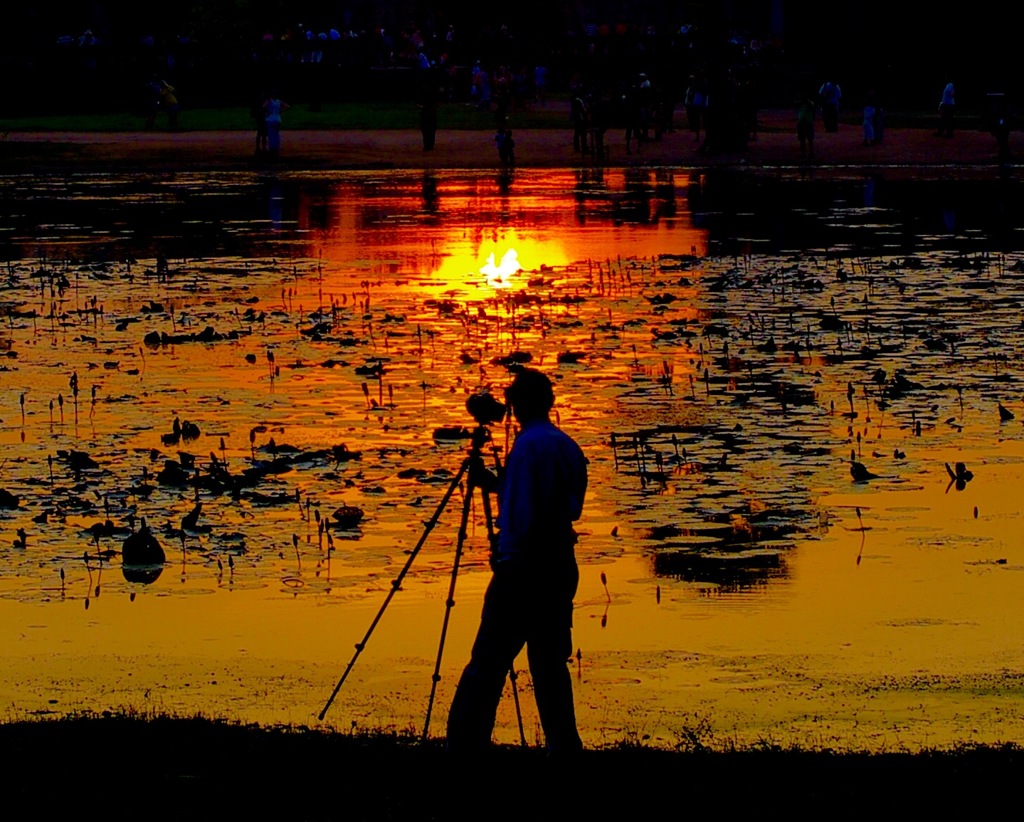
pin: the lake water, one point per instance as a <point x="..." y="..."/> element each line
<point x="799" y="396"/>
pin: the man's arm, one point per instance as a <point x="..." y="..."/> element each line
<point x="515" y="510"/>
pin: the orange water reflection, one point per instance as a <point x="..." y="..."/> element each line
<point x="563" y="216"/>
<point x="751" y="582"/>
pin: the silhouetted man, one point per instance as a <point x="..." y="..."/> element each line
<point x="529" y="599"/>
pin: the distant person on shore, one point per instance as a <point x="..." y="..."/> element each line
<point x="805" y="127"/>
<point x="273" y="108"/>
<point x="160" y="95"/>
<point x="506" y="147"/>
<point x="578" y="117"/>
<point x="481" y="88"/>
<point x="597" y="127"/>
<point x="428" y="124"/>
<point x="540" y="84"/>
<point x="1001" y="130"/>
<point x="693" y="103"/>
<point x="260" y="119"/>
<point x="646" y="105"/>
<point x="1002" y="135"/>
<point x="869" y="119"/>
<point x="830" y="94"/>
<point x="947" y="107"/>
<point x="169" y="103"/>
<point x="428" y="111"/>
<point x="633" y="114"/>
<point x="152" y="91"/>
<point x="501" y="95"/>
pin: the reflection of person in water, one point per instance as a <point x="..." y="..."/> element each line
<point x="529" y="599"/>
<point x="429" y="191"/>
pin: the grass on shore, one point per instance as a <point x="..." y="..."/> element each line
<point x="372" y="116"/>
<point x="333" y="116"/>
<point x="170" y="766"/>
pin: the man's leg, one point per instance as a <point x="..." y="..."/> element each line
<point x="549" y="647"/>
<point x="498" y="641"/>
<point x="552" y="686"/>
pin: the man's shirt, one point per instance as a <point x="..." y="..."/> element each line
<point x="541" y="494"/>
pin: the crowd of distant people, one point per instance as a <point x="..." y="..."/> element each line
<point x="635" y="80"/>
<point x="640" y="79"/>
<point x="998" y="118"/>
<point x="494" y="67"/>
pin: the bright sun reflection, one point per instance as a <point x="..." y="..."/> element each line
<point x="497" y="261"/>
<point x="498" y="276"/>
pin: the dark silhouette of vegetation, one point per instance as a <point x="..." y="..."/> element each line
<point x="165" y="767"/>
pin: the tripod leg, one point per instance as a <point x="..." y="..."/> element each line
<point x="450" y="602"/>
<point x="512" y="675"/>
<point x="397" y="582"/>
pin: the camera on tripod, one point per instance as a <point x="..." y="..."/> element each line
<point x="485" y="409"/>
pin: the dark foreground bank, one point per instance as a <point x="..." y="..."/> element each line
<point x="121" y="767"/>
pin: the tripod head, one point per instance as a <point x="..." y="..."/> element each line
<point x="485" y="409"/>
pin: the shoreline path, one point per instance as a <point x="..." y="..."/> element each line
<point x="915" y="151"/>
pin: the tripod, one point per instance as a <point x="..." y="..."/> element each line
<point x="473" y="469"/>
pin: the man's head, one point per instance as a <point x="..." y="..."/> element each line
<point x="530" y="395"/>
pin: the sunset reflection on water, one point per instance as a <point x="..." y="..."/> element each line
<point x="752" y="585"/>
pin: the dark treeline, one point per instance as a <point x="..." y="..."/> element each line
<point x="75" y="57"/>
<point x="69" y="55"/>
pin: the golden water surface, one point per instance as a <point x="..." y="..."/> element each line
<point x="737" y="584"/>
